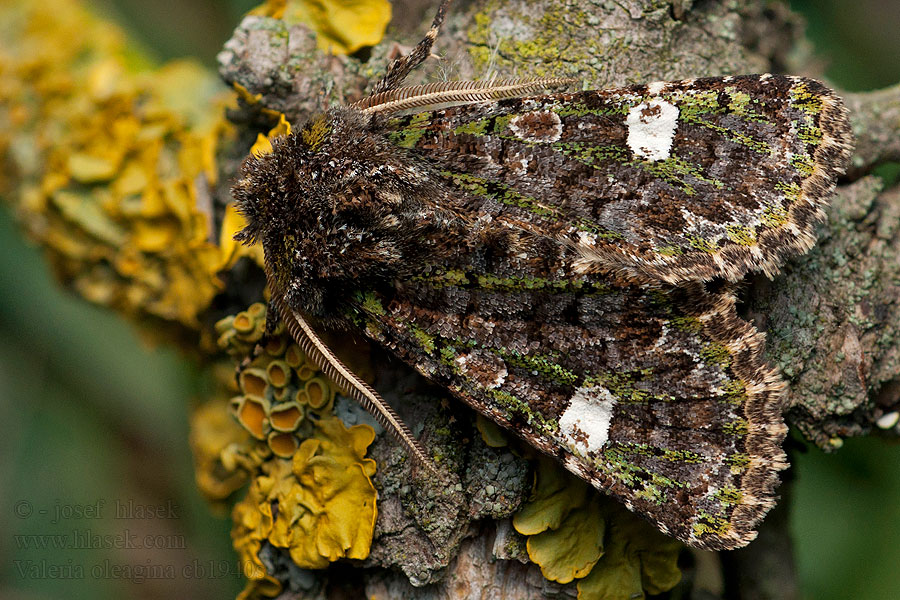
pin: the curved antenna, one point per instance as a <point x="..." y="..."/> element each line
<point x="433" y="95"/>
<point x="347" y="380"/>
<point x="400" y="68"/>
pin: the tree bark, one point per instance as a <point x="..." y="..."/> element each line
<point x="831" y="317"/>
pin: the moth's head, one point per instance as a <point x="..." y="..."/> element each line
<point x="276" y="187"/>
<point x="327" y="203"/>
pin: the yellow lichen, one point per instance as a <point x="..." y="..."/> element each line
<point x="575" y="533"/>
<point x="263" y="144"/>
<point x="325" y="500"/>
<point x="286" y="417"/>
<point x="572" y="550"/>
<point x="278" y="387"/>
<point x="315" y="470"/>
<point x="283" y="445"/>
<point x="335" y="515"/>
<point x="212" y="430"/>
<point x="638" y="560"/>
<point x="342" y="26"/>
<point x="113" y="166"/>
<point x="252" y="414"/>
<point x="233" y="221"/>
<point x="490" y="432"/>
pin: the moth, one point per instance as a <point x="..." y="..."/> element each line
<point x="564" y="263"/>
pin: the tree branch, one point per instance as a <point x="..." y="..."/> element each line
<point x="838" y="306"/>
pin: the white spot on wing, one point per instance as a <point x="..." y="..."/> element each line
<point x="651" y="129"/>
<point x="585" y="423"/>
<point x="541" y="126"/>
<point x="656" y="87"/>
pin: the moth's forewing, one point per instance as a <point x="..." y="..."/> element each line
<point x="522" y="252"/>
<point x="658" y="397"/>
<point x="672" y="182"/>
<point x="569" y="334"/>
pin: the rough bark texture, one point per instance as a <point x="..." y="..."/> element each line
<point x="832" y="317"/>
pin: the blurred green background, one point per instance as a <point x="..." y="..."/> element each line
<point x="88" y="413"/>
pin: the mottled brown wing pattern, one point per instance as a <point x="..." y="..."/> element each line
<point x="668" y="182"/>
<point x="658" y="397"/>
<point x="547" y="259"/>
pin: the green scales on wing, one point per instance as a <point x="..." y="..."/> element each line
<point x="659" y="397"/>
<point x="672" y="181"/>
<point x="549" y="260"/>
<point x="569" y="333"/>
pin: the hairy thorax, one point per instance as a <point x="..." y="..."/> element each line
<point x="340" y="209"/>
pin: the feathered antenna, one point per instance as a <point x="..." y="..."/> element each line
<point x="398" y="70"/>
<point x="357" y="389"/>
<point x="439" y="94"/>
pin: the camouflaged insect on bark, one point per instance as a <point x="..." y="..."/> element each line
<point x="544" y="258"/>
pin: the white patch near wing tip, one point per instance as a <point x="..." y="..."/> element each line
<point x="651" y="129"/>
<point x="656" y="87"/>
<point x="585" y="423"/>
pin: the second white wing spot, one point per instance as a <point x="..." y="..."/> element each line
<point x="585" y="423"/>
<point x="651" y="129"/>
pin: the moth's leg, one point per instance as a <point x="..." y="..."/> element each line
<point x="273" y="318"/>
<point x="400" y="68"/>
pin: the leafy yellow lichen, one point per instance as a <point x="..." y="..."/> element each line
<point x="325" y="499"/>
<point x="233" y="222"/>
<point x="263" y="143"/>
<point x="638" y="561"/>
<point x="490" y="432"/>
<point x="336" y="497"/>
<point x="342" y="26"/>
<point x="572" y="550"/>
<point x="113" y="166"/>
<point x="553" y="497"/>
<point x="212" y="430"/>
<point x="313" y="468"/>
<point x="575" y="533"/>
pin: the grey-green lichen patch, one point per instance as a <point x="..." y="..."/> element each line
<point x="611" y="43"/>
<point x="833" y="325"/>
<point x="283" y="63"/>
<point x="541" y="50"/>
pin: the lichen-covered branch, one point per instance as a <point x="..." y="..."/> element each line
<point x="617" y="43"/>
<point x="876" y="124"/>
<point x="128" y="190"/>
